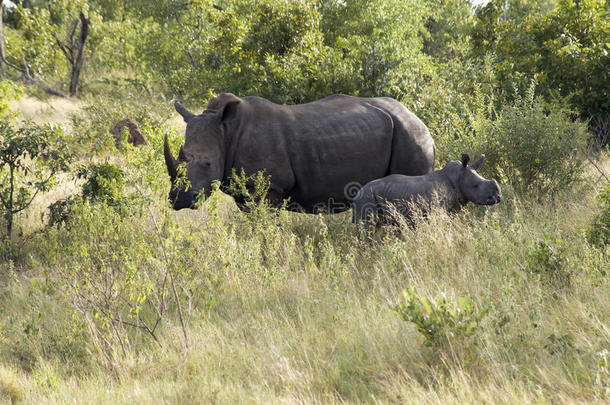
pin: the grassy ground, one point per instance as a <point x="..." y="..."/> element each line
<point x="294" y="308"/>
<point x="57" y="110"/>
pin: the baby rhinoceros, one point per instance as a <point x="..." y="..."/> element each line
<point x="452" y="187"/>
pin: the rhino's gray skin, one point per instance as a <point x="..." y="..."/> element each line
<point x="310" y="151"/>
<point x="451" y="188"/>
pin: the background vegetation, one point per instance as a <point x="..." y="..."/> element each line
<point x="109" y="296"/>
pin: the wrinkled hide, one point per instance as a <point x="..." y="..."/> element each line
<point x="311" y="152"/>
<point x="450" y="188"/>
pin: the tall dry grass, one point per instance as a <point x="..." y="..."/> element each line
<point x="298" y="310"/>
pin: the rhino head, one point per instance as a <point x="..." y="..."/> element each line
<point x="470" y="184"/>
<point x="203" y="154"/>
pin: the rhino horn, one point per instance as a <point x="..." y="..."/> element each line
<point x="170" y="162"/>
<point x="186" y="114"/>
<point x="182" y="155"/>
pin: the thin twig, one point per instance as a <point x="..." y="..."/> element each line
<point x="29" y="79"/>
<point x="171" y="275"/>
<point x="601" y="171"/>
<point x="171" y="278"/>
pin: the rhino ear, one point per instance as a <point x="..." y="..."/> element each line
<point x="478" y="163"/>
<point x="228" y="111"/>
<point x="186" y="114"/>
<point x="465" y="159"/>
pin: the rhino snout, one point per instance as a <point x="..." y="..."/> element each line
<point x="494" y="199"/>
<point x="182" y="199"/>
<point x="496" y="194"/>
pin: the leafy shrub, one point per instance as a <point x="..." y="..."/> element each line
<point x="145" y="282"/>
<point x="440" y="321"/>
<point x="598" y="233"/>
<point x="30" y="157"/>
<point x="92" y="125"/>
<point x="249" y="191"/>
<point x="103" y="182"/>
<point x="32" y="40"/>
<point x="549" y="261"/>
<point x="59" y="211"/>
<point x="8" y="91"/>
<point x="289" y="51"/>
<point x="532" y="145"/>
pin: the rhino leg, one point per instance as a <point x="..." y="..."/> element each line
<point x="365" y="215"/>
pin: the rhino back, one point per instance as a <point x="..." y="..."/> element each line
<point x="413" y="149"/>
<point x="313" y="150"/>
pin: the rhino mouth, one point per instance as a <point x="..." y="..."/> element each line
<point x="493" y="199"/>
<point x="180" y="199"/>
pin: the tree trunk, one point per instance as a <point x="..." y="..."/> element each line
<point x="77" y="64"/>
<point x="24" y="70"/>
<point x="2" y="65"/>
<point x="9" y="212"/>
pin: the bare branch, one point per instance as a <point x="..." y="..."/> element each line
<point x="63" y="48"/>
<point x="71" y="35"/>
<point x="600" y="169"/>
<point x="37" y="82"/>
<point x="171" y="278"/>
<point x="10" y="64"/>
<point x="80" y="54"/>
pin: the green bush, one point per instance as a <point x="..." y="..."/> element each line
<point x="440" y="321"/>
<point x="59" y="211"/>
<point x="29" y="34"/>
<point x="120" y="100"/>
<point x="8" y="91"/>
<point x="30" y="157"/>
<point x="598" y="233"/>
<point x="289" y="51"/>
<point x="112" y="297"/>
<point x="103" y="182"/>
<point x="532" y="145"/>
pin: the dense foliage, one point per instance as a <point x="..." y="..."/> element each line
<point x="566" y="48"/>
<point x="30" y="157"/>
<point x="296" y="51"/>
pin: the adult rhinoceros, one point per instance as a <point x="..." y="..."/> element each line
<point x="311" y="152"/>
